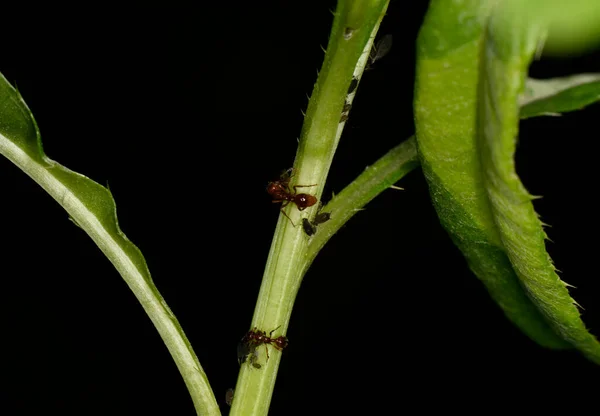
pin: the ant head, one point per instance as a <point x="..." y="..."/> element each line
<point x="305" y="200"/>
<point x="276" y="188"/>
<point x="281" y="342"/>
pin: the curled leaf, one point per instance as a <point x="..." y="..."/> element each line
<point x="471" y="67"/>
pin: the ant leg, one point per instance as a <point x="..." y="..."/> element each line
<point x="271" y="333"/>
<point x="285" y="204"/>
<point x="286" y="175"/>
<point x="288" y="217"/>
<point x="267" y="351"/>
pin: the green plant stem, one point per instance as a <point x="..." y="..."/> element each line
<point x="389" y="169"/>
<point x="354" y="27"/>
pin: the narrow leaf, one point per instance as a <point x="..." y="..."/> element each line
<point x="550" y="97"/>
<point x="93" y="209"/>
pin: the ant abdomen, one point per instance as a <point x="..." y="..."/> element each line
<point x="280" y="342"/>
<point x="304" y="201"/>
<point x="281" y="193"/>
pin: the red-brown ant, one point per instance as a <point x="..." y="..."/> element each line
<point x="255" y="338"/>
<point x="281" y="193"/>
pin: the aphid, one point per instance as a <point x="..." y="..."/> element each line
<point x="348" y="32"/>
<point x="378" y="51"/>
<point x="353" y="86"/>
<point x="381" y="49"/>
<point x="229" y="396"/>
<point x="345" y="112"/>
<point x="254" y="358"/>
<point x="310" y="228"/>
<point x="322" y="217"/>
<point x="281" y="193"/>
<point x="245" y="350"/>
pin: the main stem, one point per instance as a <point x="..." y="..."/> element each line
<point x="354" y="27"/>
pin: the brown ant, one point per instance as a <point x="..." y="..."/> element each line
<point x="254" y="338"/>
<point x="281" y="193"/>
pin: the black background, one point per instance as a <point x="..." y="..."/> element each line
<point x="187" y="112"/>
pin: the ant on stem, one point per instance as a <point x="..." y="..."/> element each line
<point x="281" y="193"/>
<point x="253" y="339"/>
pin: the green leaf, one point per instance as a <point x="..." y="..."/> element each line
<point x="445" y="116"/>
<point x="550" y="97"/>
<point x="510" y="42"/>
<point x="92" y="208"/>
<point x="469" y="77"/>
<point x="572" y="26"/>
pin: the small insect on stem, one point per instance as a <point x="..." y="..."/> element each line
<point x="281" y="193"/>
<point x="310" y="228"/>
<point x="245" y="350"/>
<point x="353" y="86"/>
<point x="229" y="396"/>
<point x="345" y="112"/>
<point x="348" y="32"/>
<point x="381" y="49"/>
<point x="254" y="359"/>
<point x="249" y="344"/>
